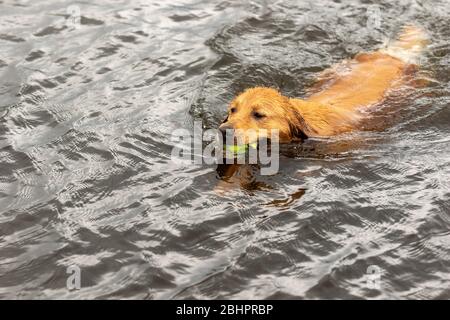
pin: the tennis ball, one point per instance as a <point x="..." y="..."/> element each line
<point x="240" y="149"/>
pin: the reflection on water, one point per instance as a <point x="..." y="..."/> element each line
<point x="89" y="102"/>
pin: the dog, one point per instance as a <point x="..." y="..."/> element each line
<point x="334" y="107"/>
<point x="348" y="88"/>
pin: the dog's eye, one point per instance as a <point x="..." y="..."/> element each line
<point x="233" y="110"/>
<point x="258" y="115"/>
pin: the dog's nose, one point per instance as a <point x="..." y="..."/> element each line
<point x="227" y="131"/>
<point x="224" y="127"/>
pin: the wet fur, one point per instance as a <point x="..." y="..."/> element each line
<point x="346" y="89"/>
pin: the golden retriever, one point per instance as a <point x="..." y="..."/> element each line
<point x="351" y="86"/>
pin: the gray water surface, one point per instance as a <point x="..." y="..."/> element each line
<point x="87" y="108"/>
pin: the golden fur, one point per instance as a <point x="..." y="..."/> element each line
<point x="349" y="87"/>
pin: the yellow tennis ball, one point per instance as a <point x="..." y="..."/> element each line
<point x="240" y="149"/>
<point x="237" y="149"/>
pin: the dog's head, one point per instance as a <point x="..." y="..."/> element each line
<point x="254" y="114"/>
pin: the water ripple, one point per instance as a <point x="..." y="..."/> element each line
<point x="87" y="178"/>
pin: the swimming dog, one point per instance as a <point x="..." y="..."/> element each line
<point x="347" y="89"/>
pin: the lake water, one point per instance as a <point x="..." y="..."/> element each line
<point x="91" y="93"/>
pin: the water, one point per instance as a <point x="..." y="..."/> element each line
<point x="87" y="180"/>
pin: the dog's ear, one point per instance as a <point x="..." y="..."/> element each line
<point x="298" y="127"/>
<point x="297" y="133"/>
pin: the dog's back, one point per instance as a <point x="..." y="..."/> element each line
<point x="361" y="82"/>
<point x="335" y="108"/>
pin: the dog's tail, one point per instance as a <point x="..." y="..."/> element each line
<point x="409" y="45"/>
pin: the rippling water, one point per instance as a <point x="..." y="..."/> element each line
<point x="87" y="108"/>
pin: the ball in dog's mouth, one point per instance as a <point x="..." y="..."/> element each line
<point x="240" y="149"/>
